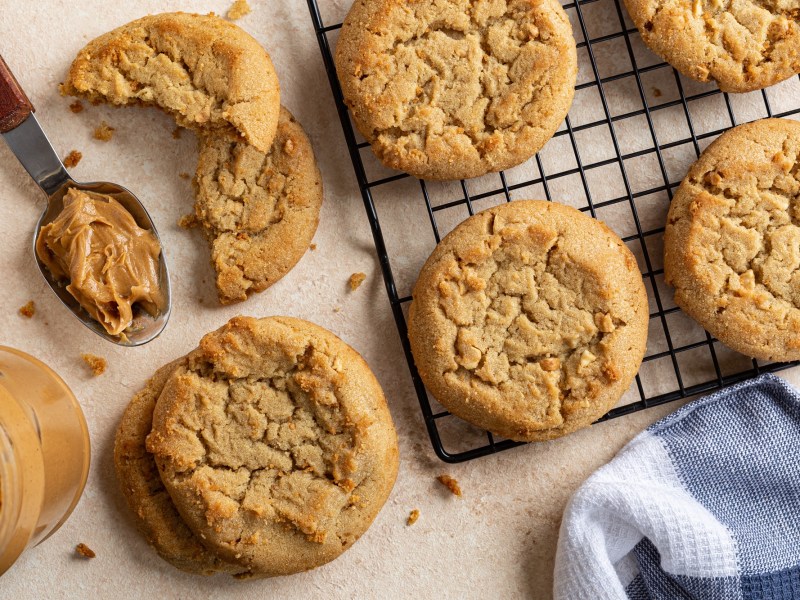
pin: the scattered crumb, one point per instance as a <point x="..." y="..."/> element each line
<point x="28" y="310"/>
<point x="313" y="247"/>
<point x="97" y="364"/>
<point x="356" y="279"/>
<point x="84" y="551"/>
<point x="76" y="106"/>
<point x="239" y="9"/>
<point x="184" y="175"/>
<point x="72" y="159"/>
<point x="450" y="483"/>
<point x="188" y="221"/>
<point x="103" y="132"/>
<point x="656" y="92"/>
<point x="176" y="133"/>
<point x="412" y="517"/>
<point x="337" y="309"/>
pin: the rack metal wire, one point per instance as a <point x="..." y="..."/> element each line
<point x="682" y="359"/>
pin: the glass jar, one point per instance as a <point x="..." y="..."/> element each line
<point x="44" y="453"/>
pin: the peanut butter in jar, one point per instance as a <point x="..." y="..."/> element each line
<point x="44" y="453"/>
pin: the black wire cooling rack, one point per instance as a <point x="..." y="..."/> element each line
<point x="622" y="88"/>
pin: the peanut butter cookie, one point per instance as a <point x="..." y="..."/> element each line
<point x="455" y="89"/>
<point x="529" y="320"/>
<point x="151" y="505"/>
<point x="206" y="72"/>
<point x="742" y="45"/>
<point x="275" y="443"/>
<point x="732" y="242"/>
<point x="259" y="210"/>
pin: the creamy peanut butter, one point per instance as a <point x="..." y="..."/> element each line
<point x="110" y="262"/>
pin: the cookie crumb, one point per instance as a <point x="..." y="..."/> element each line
<point x="657" y="92"/>
<point x="76" y="107"/>
<point x="184" y="175"/>
<point x="28" y="310"/>
<point x="72" y="159"/>
<point x="103" y="132"/>
<point x="312" y="247"/>
<point x="239" y="9"/>
<point x="84" y="551"/>
<point x="355" y="281"/>
<point x="188" y="221"/>
<point x="176" y="133"/>
<point x="336" y="309"/>
<point x="450" y="483"/>
<point x="97" y="364"/>
<point x="412" y="517"/>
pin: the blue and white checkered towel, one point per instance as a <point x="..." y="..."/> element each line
<point x="703" y="504"/>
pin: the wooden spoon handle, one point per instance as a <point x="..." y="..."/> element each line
<point x="14" y="104"/>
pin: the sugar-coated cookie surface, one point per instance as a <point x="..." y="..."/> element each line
<point x="206" y="72"/>
<point x="743" y="45"/>
<point x="454" y="88"/>
<point x="150" y="503"/>
<point x="529" y="320"/>
<point x="276" y="444"/>
<point x="732" y="242"/>
<point x="259" y="210"/>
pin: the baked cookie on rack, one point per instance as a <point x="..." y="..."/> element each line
<point x="529" y="319"/>
<point x="274" y="440"/>
<point x="455" y="89"/>
<point x="259" y="210"/>
<point x="743" y="46"/>
<point x="207" y="73"/>
<point x="732" y="241"/>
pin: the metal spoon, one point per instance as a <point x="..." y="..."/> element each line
<point x="30" y="145"/>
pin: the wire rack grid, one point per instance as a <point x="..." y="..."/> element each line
<point x="622" y="88"/>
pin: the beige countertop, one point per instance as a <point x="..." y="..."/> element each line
<point x="497" y="541"/>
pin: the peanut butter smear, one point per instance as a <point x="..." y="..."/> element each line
<point x="110" y="262"/>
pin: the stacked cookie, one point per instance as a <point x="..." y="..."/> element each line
<point x="258" y="191"/>
<point x="266" y="451"/>
<point x="455" y="89"/>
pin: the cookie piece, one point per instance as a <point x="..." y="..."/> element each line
<point x="732" y="241"/>
<point x="742" y="45"/>
<point x="455" y="89"/>
<point x="276" y="444"/>
<point x="206" y="72"/>
<point x="529" y="320"/>
<point x="259" y="211"/>
<point x="151" y="505"/>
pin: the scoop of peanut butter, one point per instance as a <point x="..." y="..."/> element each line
<point x="109" y="261"/>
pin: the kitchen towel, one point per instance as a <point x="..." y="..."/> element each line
<point x="703" y="504"/>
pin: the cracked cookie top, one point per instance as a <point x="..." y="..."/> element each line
<point x="275" y="443"/>
<point x="732" y="242"/>
<point x="150" y="503"/>
<point x="456" y="88"/>
<point x="206" y="72"/>
<point x="529" y="320"/>
<point x="259" y="210"/>
<point x="743" y="45"/>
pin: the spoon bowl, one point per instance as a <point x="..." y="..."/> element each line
<point x="30" y="145"/>
<point x="144" y="326"/>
